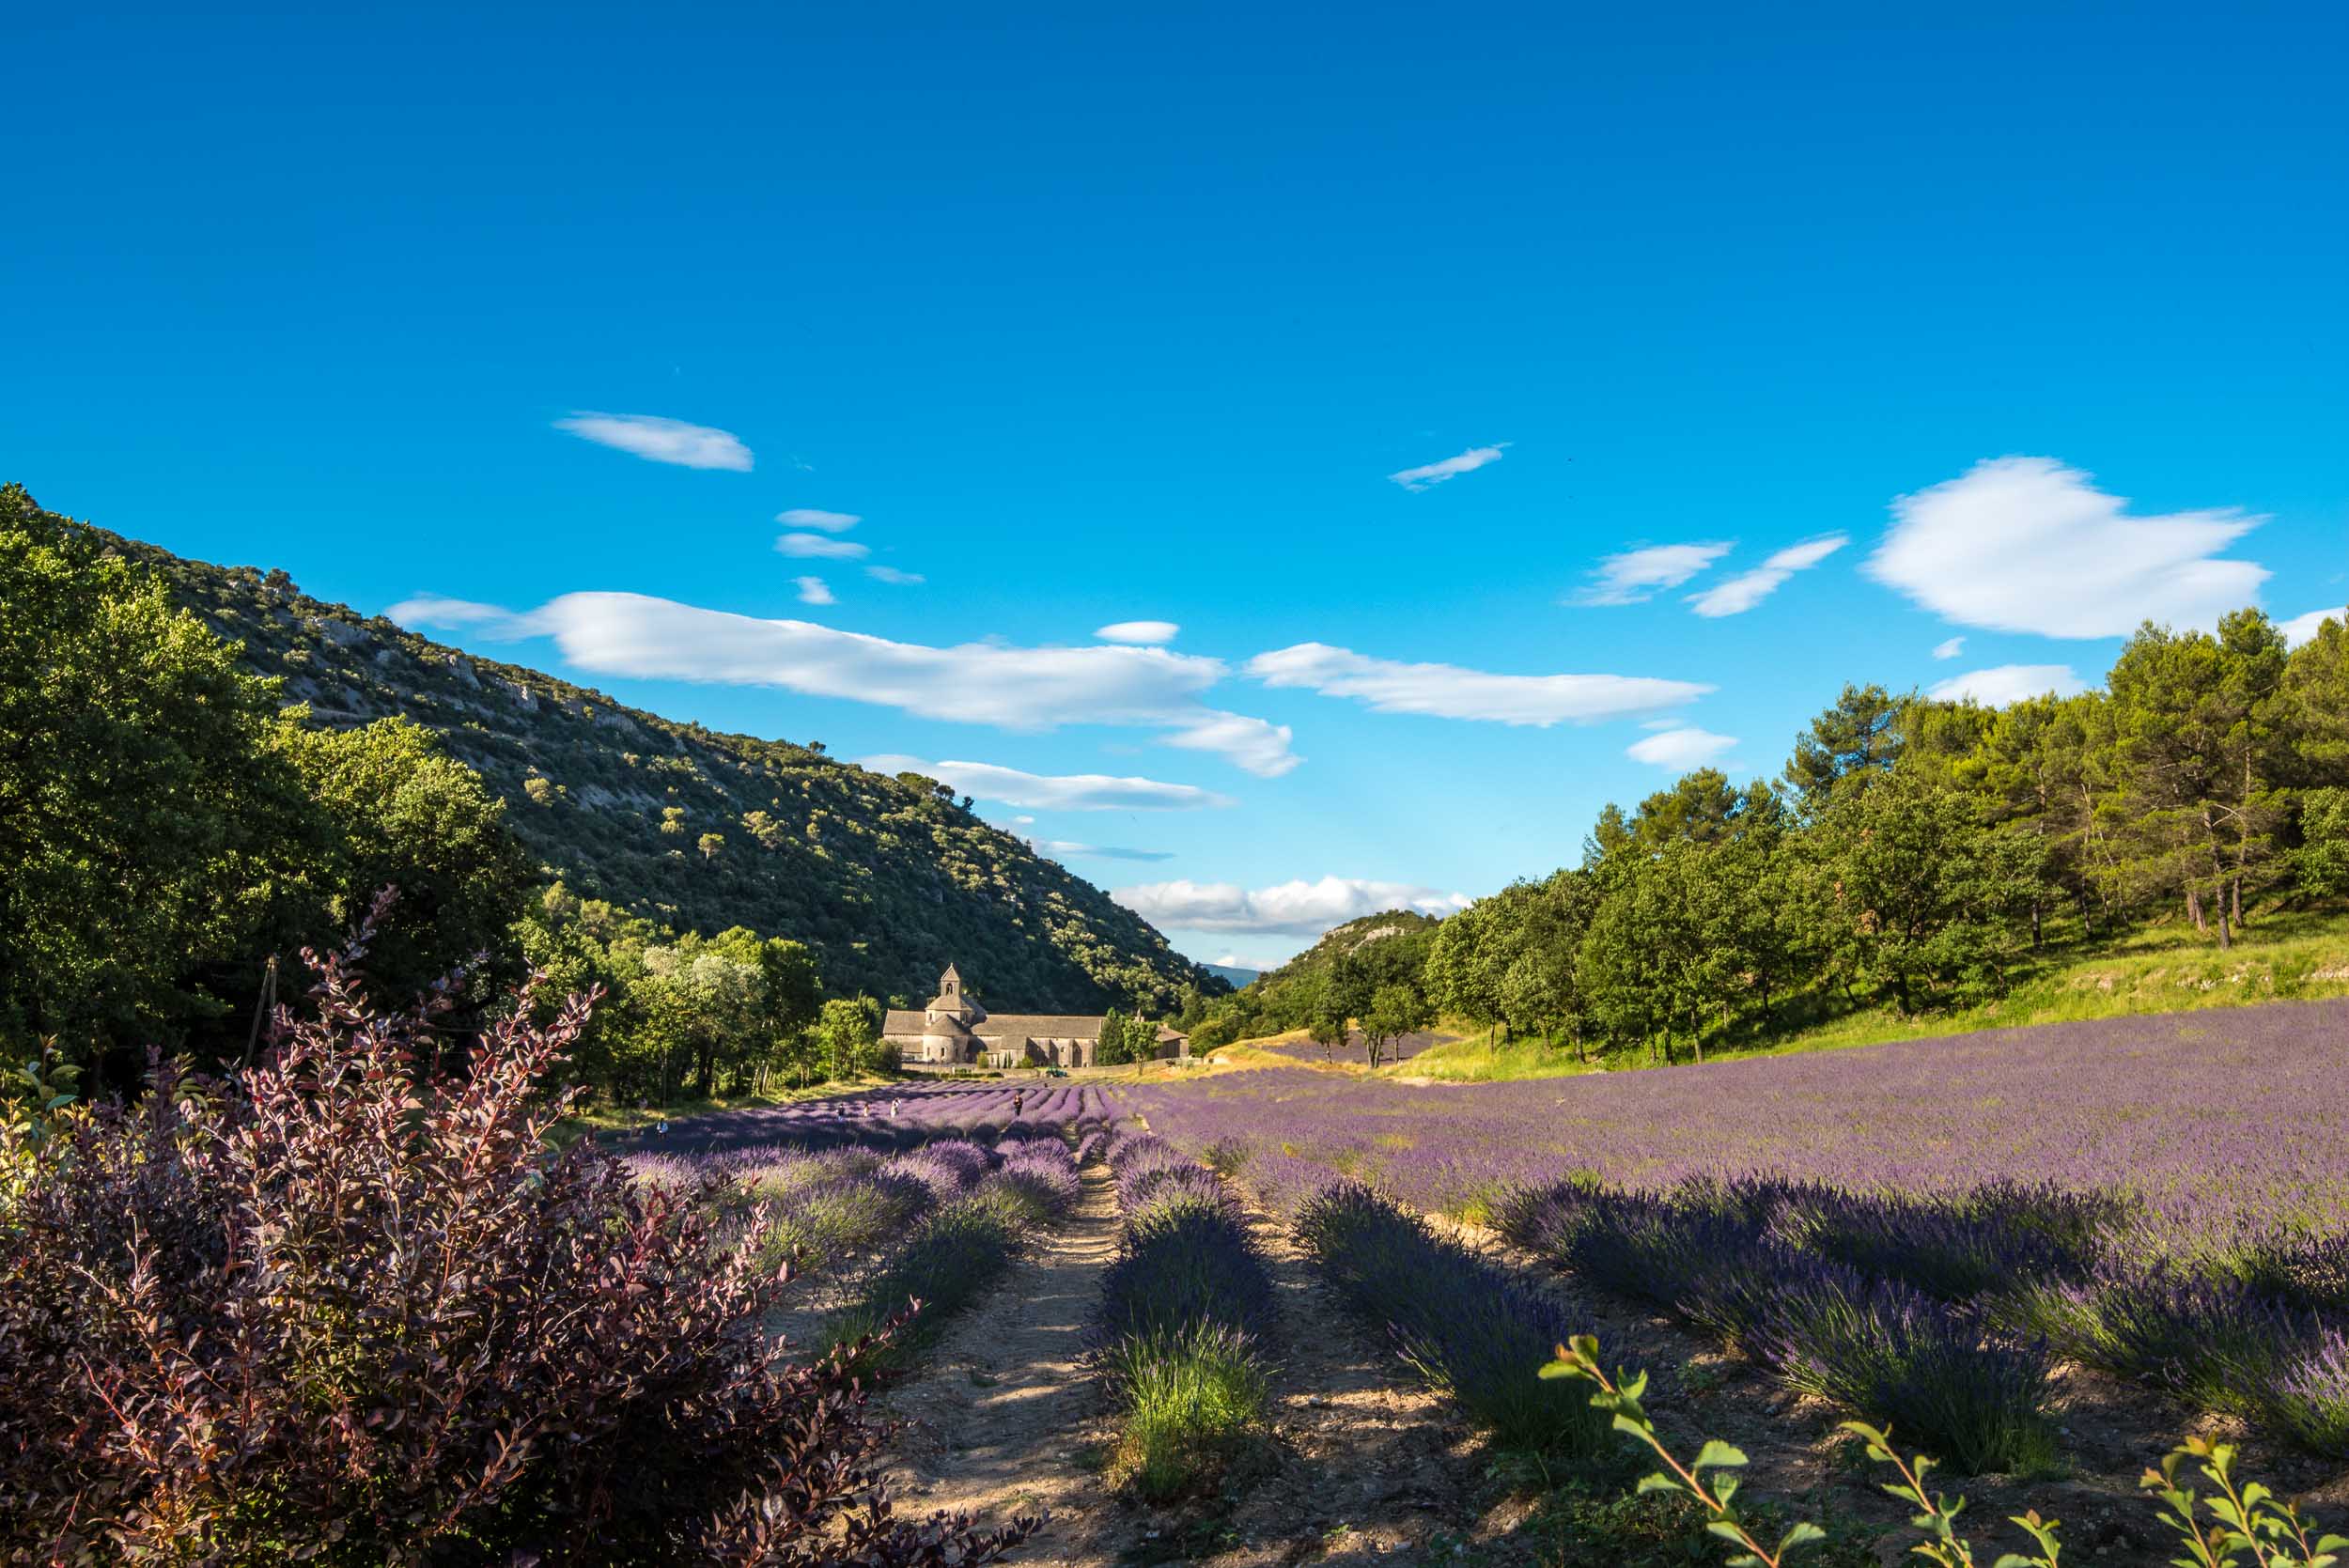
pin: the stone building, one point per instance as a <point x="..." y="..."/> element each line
<point x="953" y="1030"/>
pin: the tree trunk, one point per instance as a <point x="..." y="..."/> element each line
<point x="2194" y="907"/>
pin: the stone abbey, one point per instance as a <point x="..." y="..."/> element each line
<point x="953" y="1030"/>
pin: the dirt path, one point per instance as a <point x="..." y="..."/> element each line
<point x="1003" y="1419"/>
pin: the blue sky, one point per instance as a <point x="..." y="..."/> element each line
<point x="1098" y="315"/>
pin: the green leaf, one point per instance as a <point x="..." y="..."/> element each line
<point x="1804" y="1534"/>
<point x="1658" y="1481"/>
<point x="1718" y="1452"/>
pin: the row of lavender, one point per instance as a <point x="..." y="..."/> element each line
<point x="1179" y="1328"/>
<point x="1942" y="1313"/>
<point x="936" y="1222"/>
<point x="1940" y="1308"/>
<point x="2219" y="1126"/>
<point x="894" y="1117"/>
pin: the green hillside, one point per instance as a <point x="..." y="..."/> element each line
<point x="1408" y="929"/>
<point x="887" y="877"/>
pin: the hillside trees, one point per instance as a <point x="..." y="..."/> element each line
<point x="1395" y="1010"/>
<point x="400" y="812"/>
<point x="1931" y="904"/>
<point x="1927" y="847"/>
<point x="1860" y="734"/>
<point x="164" y="830"/>
<point x="138" y="795"/>
<point x="2198" y="734"/>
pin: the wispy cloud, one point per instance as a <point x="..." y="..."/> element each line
<point x="892" y="576"/>
<point x="1681" y="748"/>
<point x="2010" y="683"/>
<point x="1949" y="648"/>
<point x="824" y="522"/>
<point x="1256" y="745"/>
<point x="1010" y="786"/>
<point x="813" y="590"/>
<point x="1058" y="849"/>
<point x="2026" y="544"/>
<point x="458" y="613"/>
<point x="816" y="547"/>
<point x="1298" y="908"/>
<point x="661" y="441"/>
<point x="1634" y="576"/>
<point x="1448" y="691"/>
<point x="1428" y="475"/>
<point x="1734" y="596"/>
<point x="980" y="683"/>
<point x="1137" y="631"/>
<point x="2303" y="628"/>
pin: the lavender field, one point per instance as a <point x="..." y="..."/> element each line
<point x="2216" y="1123"/>
<point x="901" y="1117"/>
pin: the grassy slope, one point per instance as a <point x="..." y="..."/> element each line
<point x="2161" y="969"/>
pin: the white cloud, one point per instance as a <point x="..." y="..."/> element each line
<point x="2010" y="683"/>
<point x="814" y="591"/>
<point x="891" y="575"/>
<point x="1681" y="748"/>
<point x="1736" y="595"/>
<point x="1633" y="576"/>
<point x="2302" y="628"/>
<point x="1024" y="821"/>
<point x="1256" y="745"/>
<point x="1059" y="847"/>
<point x="1043" y="792"/>
<point x="1448" y="691"/>
<point x="1297" y="909"/>
<point x="2026" y="544"/>
<point x="661" y="441"/>
<point x="1234" y="961"/>
<point x="826" y="522"/>
<point x="440" y="609"/>
<point x="979" y="683"/>
<point x="1949" y="649"/>
<point x="1428" y="475"/>
<point x="815" y="547"/>
<point x="1137" y="631"/>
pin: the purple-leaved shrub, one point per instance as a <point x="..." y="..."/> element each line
<point x="350" y="1310"/>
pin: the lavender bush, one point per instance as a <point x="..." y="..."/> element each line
<point x="1464" y="1323"/>
<point x="1176" y="1332"/>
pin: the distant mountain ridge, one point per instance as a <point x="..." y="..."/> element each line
<point x="1234" y="973"/>
<point x="887" y="877"/>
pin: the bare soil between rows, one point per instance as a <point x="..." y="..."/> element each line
<point x="1005" y="1417"/>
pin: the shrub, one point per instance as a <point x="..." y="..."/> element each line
<point x="833" y="1219"/>
<point x="1896" y="1356"/>
<point x="1184" y="1263"/>
<point x="1178" y="1309"/>
<point x="950" y="1167"/>
<point x="1191" y="1397"/>
<point x="1464" y="1323"/>
<point x="2311" y="1273"/>
<point x="1999" y="1237"/>
<point x="957" y="1252"/>
<point x="348" y="1310"/>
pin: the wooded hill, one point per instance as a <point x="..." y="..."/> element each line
<point x="1406" y="932"/>
<point x="887" y="877"/>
